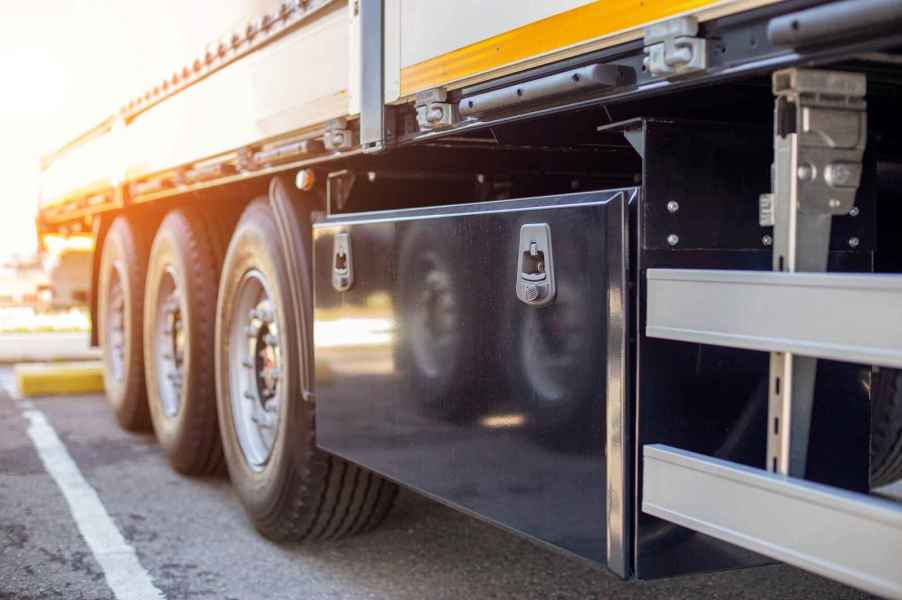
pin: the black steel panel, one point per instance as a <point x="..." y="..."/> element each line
<point x="431" y="371"/>
<point x="715" y="172"/>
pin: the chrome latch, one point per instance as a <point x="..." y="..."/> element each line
<point x="433" y="110"/>
<point x="672" y="48"/>
<point x="535" y="265"/>
<point x="342" y="263"/>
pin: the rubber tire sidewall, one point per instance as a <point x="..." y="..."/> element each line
<point x="255" y="245"/>
<point x="123" y="251"/>
<point x="187" y="436"/>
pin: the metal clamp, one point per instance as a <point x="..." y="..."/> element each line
<point x="338" y="137"/>
<point x="433" y="110"/>
<point x="822" y="115"/>
<point x="672" y="48"/>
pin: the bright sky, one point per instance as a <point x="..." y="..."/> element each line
<point x="66" y="64"/>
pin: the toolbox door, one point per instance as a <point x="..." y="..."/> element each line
<point x="476" y="352"/>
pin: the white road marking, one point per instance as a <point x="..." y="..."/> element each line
<point x="124" y="573"/>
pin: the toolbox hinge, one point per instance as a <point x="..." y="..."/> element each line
<point x="673" y="48"/>
<point x="433" y="110"/>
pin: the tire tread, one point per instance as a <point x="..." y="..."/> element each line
<point x="886" y="440"/>
<point x="321" y="496"/>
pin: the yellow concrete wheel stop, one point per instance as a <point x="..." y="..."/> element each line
<point x="54" y="379"/>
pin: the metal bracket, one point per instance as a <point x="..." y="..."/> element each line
<point x="672" y="48"/>
<point x="822" y="116"/>
<point x="338" y="189"/>
<point x="338" y="137"/>
<point x="433" y="110"/>
<point x="819" y="138"/>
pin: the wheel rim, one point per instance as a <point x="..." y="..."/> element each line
<point x="169" y="343"/>
<point x="255" y="362"/>
<point x="114" y="342"/>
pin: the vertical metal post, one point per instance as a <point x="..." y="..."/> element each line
<point x="372" y="76"/>
<point x="820" y="130"/>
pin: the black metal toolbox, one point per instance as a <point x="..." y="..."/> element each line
<point x="464" y="351"/>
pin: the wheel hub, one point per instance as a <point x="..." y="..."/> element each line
<point x="115" y="334"/>
<point x="255" y="370"/>
<point x="171" y="339"/>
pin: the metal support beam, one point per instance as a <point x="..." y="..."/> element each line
<point x="853" y="317"/>
<point x="819" y="138"/>
<point x="853" y="538"/>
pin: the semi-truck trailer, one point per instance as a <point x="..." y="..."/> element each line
<point x="621" y="276"/>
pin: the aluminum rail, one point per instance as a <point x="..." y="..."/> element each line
<point x="852" y="538"/>
<point x="838" y="316"/>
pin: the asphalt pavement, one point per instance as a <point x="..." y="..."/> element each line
<point x="193" y="540"/>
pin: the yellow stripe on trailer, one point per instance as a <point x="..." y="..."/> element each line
<point x="577" y="27"/>
<point x="54" y="379"/>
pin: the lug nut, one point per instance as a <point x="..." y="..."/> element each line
<point x="673" y="239"/>
<point x="673" y="206"/>
<point x="767" y="241"/>
<point x="854" y="242"/>
<point x="854" y="212"/>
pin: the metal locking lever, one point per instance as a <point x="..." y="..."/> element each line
<point x="342" y="265"/>
<point x="535" y="265"/>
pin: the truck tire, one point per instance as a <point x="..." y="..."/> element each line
<point x="886" y="428"/>
<point x="179" y="334"/>
<point x="290" y="489"/>
<point x="120" y="315"/>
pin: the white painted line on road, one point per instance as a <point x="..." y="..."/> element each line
<point x="124" y="573"/>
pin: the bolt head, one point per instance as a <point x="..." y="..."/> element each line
<point x="839" y="174"/>
<point x="854" y="211"/>
<point x="854" y="242"/>
<point x="673" y="206"/>
<point x="767" y="240"/>
<point x="673" y="239"/>
<point x="805" y="172"/>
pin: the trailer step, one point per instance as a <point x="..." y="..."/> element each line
<point x="853" y="538"/>
<point x="838" y="316"/>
